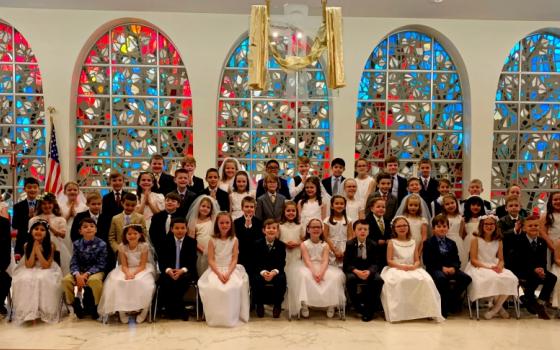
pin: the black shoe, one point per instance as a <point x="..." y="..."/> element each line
<point x="276" y="311"/>
<point x="541" y="312"/>
<point x="185" y="315"/>
<point x="531" y="308"/>
<point x="3" y="310"/>
<point x="367" y="318"/>
<point x="260" y="311"/>
<point x="78" y="310"/>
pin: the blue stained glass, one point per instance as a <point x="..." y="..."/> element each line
<point x="512" y="61"/>
<point x="378" y="58"/>
<point x="442" y="60"/>
<point x="410" y="50"/>
<point x="541" y="53"/>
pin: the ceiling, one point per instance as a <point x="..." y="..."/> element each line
<point x="538" y="10"/>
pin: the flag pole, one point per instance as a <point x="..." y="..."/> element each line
<point x="50" y="110"/>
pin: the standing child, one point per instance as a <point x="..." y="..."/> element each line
<point x="36" y="279"/>
<point x="551" y="220"/>
<point x="337" y="230"/>
<point x="291" y="233"/>
<point x="23" y="211"/>
<point x="221" y="196"/>
<point x="311" y="205"/>
<point x="513" y="190"/>
<point x="473" y="210"/>
<point x="71" y="202"/>
<point x="429" y="185"/>
<point x="414" y="186"/>
<point x="384" y="191"/>
<point x="366" y="183"/>
<point x="333" y="183"/>
<point x="248" y="229"/>
<point x="111" y="204"/>
<point x="228" y="169"/>
<point x="450" y="207"/>
<point x="398" y="182"/>
<point x="444" y="188"/>
<point x="163" y="183"/>
<point x="161" y="222"/>
<point x="241" y="189"/>
<point x="127" y="217"/>
<point x="296" y="184"/>
<point x="186" y="196"/>
<point x="510" y="227"/>
<point x="194" y="183"/>
<point x="270" y="204"/>
<point x="130" y="286"/>
<point x="418" y="224"/>
<point x="201" y="227"/>
<point x="379" y="227"/>
<point x="354" y="208"/>
<point x="476" y="189"/>
<point x="93" y="211"/>
<point x="149" y="203"/>
<point x="224" y="286"/>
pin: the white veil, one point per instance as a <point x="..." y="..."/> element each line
<point x="192" y="215"/>
<point x="425" y="209"/>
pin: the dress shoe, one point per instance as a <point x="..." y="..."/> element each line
<point x="3" y="310"/>
<point x="78" y="310"/>
<point x="142" y="316"/>
<point x="185" y="315"/>
<point x="330" y="312"/>
<point x="367" y="318"/>
<point x="123" y="317"/>
<point x="541" y="312"/>
<point x="304" y="311"/>
<point x="276" y="311"/>
<point x="260" y="311"/>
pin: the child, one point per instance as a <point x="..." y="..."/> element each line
<point x="296" y="184"/>
<point x="71" y="202"/>
<point x="270" y="204"/>
<point x="177" y="262"/>
<point x="450" y="208"/>
<point x="408" y="291"/>
<point x="361" y="266"/>
<point x="441" y="257"/>
<point x="5" y="259"/>
<point x="130" y="286"/>
<point x="337" y="230"/>
<point x="186" y="196"/>
<point x="161" y="222"/>
<point x="270" y="259"/>
<point x="384" y="191"/>
<point x="149" y="203"/>
<point x="510" y="226"/>
<point x="379" y="227"/>
<point x="228" y="169"/>
<point x="23" y="211"/>
<point x="531" y="267"/>
<point x="473" y="210"/>
<point x="418" y="224"/>
<point x="399" y="184"/>
<point x="444" y="188"/>
<point x="36" y="279"/>
<point x="224" y="286"/>
<point x="311" y="205"/>
<point x="93" y="202"/>
<point x="248" y="230"/>
<point x="476" y="189"/>
<point x="240" y="190"/>
<point x="556" y="271"/>
<point x="214" y="191"/>
<point x="314" y="282"/>
<point x="273" y="168"/>
<point x="414" y="187"/>
<point x="489" y="278"/>
<point x="201" y="227"/>
<point x="127" y="217"/>
<point x="333" y="183"/>
<point x="86" y="270"/>
<point x="163" y="183"/>
<point x="112" y="203"/>
<point x="513" y="190"/>
<point x="551" y="220"/>
<point x="354" y="208"/>
<point x="366" y="183"/>
<point x="429" y="185"/>
<point x="291" y="233"/>
<point x="194" y="183"/>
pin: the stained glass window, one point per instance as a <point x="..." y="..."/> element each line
<point x="134" y="100"/>
<point x="290" y="119"/>
<point x="410" y="105"/>
<point x="22" y="110"/>
<point x="527" y="121"/>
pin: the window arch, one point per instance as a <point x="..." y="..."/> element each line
<point x="22" y="110"/>
<point x="410" y="105"/>
<point x="133" y="101"/>
<point x="291" y="119"/>
<point x="527" y="120"/>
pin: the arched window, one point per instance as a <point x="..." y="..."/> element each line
<point x="22" y="110"/>
<point x="527" y="121"/>
<point x="290" y="119"/>
<point x="134" y="100"/>
<point x="410" y="105"/>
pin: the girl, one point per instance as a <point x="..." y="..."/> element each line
<point x="130" y="286"/>
<point x="486" y="268"/>
<point x="551" y="219"/>
<point x="149" y="203"/>
<point x="72" y="201"/>
<point x="36" y="280"/>
<point x="556" y="271"/>
<point x="48" y="210"/>
<point x="314" y="282"/>
<point x="228" y="169"/>
<point x="291" y="233"/>
<point x="418" y="224"/>
<point x="241" y="189"/>
<point x="366" y="184"/>
<point x="311" y="205"/>
<point x="473" y="209"/>
<point x="224" y="286"/>
<point x="408" y="290"/>
<point x="450" y="207"/>
<point x="337" y="230"/>
<point x="355" y="209"/>
<point x="201" y="217"/>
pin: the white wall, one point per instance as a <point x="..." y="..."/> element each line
<point x="60" y="38"/>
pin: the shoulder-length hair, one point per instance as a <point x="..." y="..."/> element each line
<point x="231" y="231"/>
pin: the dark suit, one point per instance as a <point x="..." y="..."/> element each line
<point x="197" y="187"/>
<point x="109" y="208"/>
<point x="327" y="184"/>
<point x="247" y="237"/>
<point x="20" y="222"/>
<point x="268" y="210"/>
<point x="5" y="256"/>
<point x="186" y="201"/>
<point x="375" y="234"/>
<point x="371" y="290"/>
<point x="269" y="259"/>
<point x="429" y="193"/>
<point x="391" y="205"/>
<point x="165" y="184"/>
<point x="75" y="229"/>
<point x="158" y="233"/>
<point x="283" y="189"/>
<point x="501" y="212"/>
<point x="172" y="291"/>
<point x="507" y="227"/>
<point x="435" y="260"/>
<point x="402" y="189"/>
<point x="436" y="207"/>
<point x="221" y="196"/>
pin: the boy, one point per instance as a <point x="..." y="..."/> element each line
<point x="86" y="270"/>
<point x="247" y="230"/>
<point x="444" y="187"/>
<point x="398" y="183"/>
<point x="161" y="222"/>
<point x="25" y="210"/>
<point x="379" y="226"/>
<point x="333" y="183"/>
<point x="513" y="190"/>
<point x="127" y="217"/>
<point x="194" y="184"/>
<point x="164" y="182"/>
<point x="384" y="184"/>
<point x="476" y="189"/>
<point x="530" y="253"/>
<point x="5" y="254"/>
<point x="112" y="202"/>
<point x="361" y="266"/>
<point x="212" y="178"/>
<point x="186" y="197"/>
<point x="510" y="226"/>
<point x="270" y="204"/>
<point x="270" y="259"/>
<point x="429" y="186"/>
<point x="93" y="202"/>
<point x="177" y="262"/>
<point x="297" y="182"/>
<point x="441" y="258"/>
<point x="273" y="167"/>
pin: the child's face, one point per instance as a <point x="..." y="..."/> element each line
<point x="271" y="186"/>
<point x="425" y="169"/>
<point x="182" y="180"/>
<point x="475" y="208"/>
<point x="146" y="182"/>
<point x="290" y="212"/>
<point x="271" y="232"/>
<point x="132" y="235"/>
<point x="350" y="187"/>
<point x="47" y="207"/>
<point x="230" y="169"/>
<point x="156" y="165"/>
<point x="88" y="230"/>
<point x="129" y="206"/>
<point x="556" y="202"/>
<point x="413" y="206"/>
<point x="310" y="189"/>
<point x="337" y="170"/>
<point x="475" y="189"/>
<point x="224" y="224"/>
<point x="532" y="228"/>
<point x="338" y="205"/>
<point x="94" y="206"/>
<point x="205" y="209"/>
<point x="179" y="230"/>
<point x="303" y="168"/>
<point x="449" y="205"/>
<point x="362" y="167"/>
<point x="513" y="208"/>
<point x="443" y="188"/>
<point x="39" y="232"/>
<point x="248" y="208"/>
<point x="414" y="187"/>
<point x="31" y="190"/>
<point x="117" y="183"/>
<point x="385" y="185"/>
<point x="489" y="226"/>
<point x="171" y="205"/>
<point x="315" y="229"/>
<point x="273" y="168"/>
<point x="71" y="192"/>
<point x="441" y="229"/>
<point x="514" y="191"/>
<point x="401" y="228"/>
<point x="378" y="208"/>
<point x="190" y="167"/>
<point x="392" y="168"/>
<point x="212" y="179"/>
<point x="241" y="183"/>
<point x="362" y="231"/>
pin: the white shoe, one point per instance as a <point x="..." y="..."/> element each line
<point x="330" y="312"/>
<point x="123" y="317"/>
<point x="489" y="314"/>
<point x="142" y="316"/>
<point x="304" y="311"/>
<point x="503" y="313"/>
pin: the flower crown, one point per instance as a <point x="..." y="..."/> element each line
<point x="398" y="217"/>
<point x="490" y="216"/>
<point x="46" y="196"/>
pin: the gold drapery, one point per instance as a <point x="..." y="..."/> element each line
<point x="335" y="55"/>
<point x="258" y="47"/>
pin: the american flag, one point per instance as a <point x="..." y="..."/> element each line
<point x="53" y="182"/>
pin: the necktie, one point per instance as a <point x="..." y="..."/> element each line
<point x="118" y="198"/>
<point x="157" y="179"/>
<point x="269" y="246"/>
<point x="178" y="253"/>
<point x="362" y="251"/>
<point x="425" y="184"/>
<point x="442" y="246"/>
<point x="273" y="198"/>
<point x="182" y="195"/>
<point x="534" y="245"/>
<point x="336" y="185"/>
<point x="127" y="219"/>
<point x="94" y="217"/>
<point x="381" y="224"/>
<point x="31" y="204"/>
<point x="384" y="196"/>
<point x="395" y="187"/>
<point x="168" y="223"/>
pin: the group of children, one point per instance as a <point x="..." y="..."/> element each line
<point x="408" y="248"/>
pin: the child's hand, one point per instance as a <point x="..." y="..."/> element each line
<point x="81" y="280"/>
<point x="129" y="276"/>
<point x="381" y="242"/>
<point x="339" y="255"/>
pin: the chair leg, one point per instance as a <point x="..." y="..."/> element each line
<point x="197" y="301"/>
<point x="11" y="306"/>
<point x="470" y="307"/>
<point x="477" y="310"/>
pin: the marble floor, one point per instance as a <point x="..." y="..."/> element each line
<point x="266" y="334"/>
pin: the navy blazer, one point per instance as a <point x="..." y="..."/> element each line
<point x="353" y="261"/>
<point x="526" y="260"/>
<point x="198" y="185"/>
<point x="435" y="260"/>
<point x="221" y="196"/>
<point x="430" y="193"/>
<point x="270" y="259"/>
<point x="165" y="184"/>
<point x="187" y="257"/>
<point x="247" y="237"/>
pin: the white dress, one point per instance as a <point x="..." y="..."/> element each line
<point x="120" y="294"/>
<point x="36" y="292"/>
<point x="203" y="232"/>
<point x="362" y="190"/>
<point x="454" y="234"/>
<point x="310" y="210"/>
<point x="303" y="288"/>
<point x="65" y="209"/>
<point x="353" y="208"/>
<point x="158" y="200"/>
<point x="225" y="305"/>
<point x="470" y="228"/>
<point x="290" y="231"/>
<point x="416" y="224"/>
<point x="226" y="186"/>
<point x="59" y="224"/>
<point x="554" y="235"/>
<point x="338" y="235"/>
<point x="485" y="282"/>
<point x="556" y="292"/>
<point x="235" y="203"/>
<point x="408" y="295"/>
